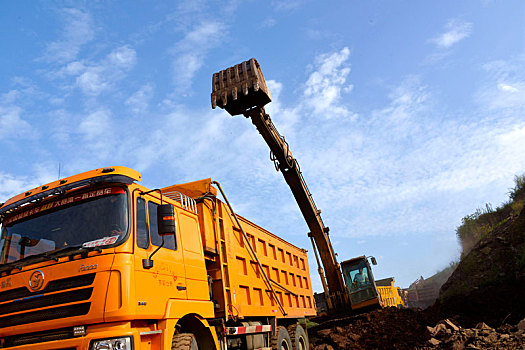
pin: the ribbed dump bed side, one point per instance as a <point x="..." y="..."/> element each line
<point x="285" y="265"/>
<point x="238" y="285"/>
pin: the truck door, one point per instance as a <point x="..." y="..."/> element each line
<point x="196" y="275"/>
<point x="167" y="278"/>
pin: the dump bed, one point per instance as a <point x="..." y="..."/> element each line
<point x="389" y="293"/>
<point x="239" y="287"/>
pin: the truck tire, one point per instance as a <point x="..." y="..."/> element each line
<point x="184" y="341"/>
<point x="281" y="340"/>
<point x="298" y="337"/>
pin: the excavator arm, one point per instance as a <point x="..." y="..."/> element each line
<point x="241" y="89"/>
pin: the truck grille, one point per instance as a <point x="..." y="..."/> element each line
<point x="21" y="299"/>
<point x="38" y="337"/>
<point x="53" y="286"/>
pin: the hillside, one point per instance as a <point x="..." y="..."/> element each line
<point x="489" y="282"/>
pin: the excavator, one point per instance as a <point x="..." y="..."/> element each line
<point x="349" y="286"/>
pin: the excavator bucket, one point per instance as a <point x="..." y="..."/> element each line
<point x="240" y="88"/>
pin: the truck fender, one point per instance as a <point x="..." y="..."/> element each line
<point x="198" y="326"/>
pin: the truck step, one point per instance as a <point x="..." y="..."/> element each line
<point x="248" y="330"/>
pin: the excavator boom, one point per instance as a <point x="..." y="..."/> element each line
<point x="241" y="89"/>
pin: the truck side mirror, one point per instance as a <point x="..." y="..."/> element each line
<point x="373" y="260"/>
<point x="166" y="219"/>
<point x="166" y="227"/>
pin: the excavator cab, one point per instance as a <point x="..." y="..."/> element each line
<point x="360" y="283"/>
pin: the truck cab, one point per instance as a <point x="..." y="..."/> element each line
<point x="83" y="265"/>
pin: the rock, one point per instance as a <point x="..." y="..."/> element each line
<point x="439" y="329"/>
<point x="325" y="332"/>
<point x="354" y="337"/>
<point x="434" y="342"/>
<point x="492" y="337"/>
<point x="521" y="325"/>
<point x="459" y="345"/>
<point x="483" y="325"/>
<point x="324" y="347"/>
<point x="451" y="325"/>
<point x="484" y="332"/>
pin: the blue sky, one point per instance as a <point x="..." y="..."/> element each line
<point x="405" y="116"/>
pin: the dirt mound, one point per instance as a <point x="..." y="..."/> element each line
<point x="407" y="329"/>
<point x="488" y="284"/>
<point x="389" y="328"/>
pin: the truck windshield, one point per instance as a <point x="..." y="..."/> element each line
<point x="89" y="219"/>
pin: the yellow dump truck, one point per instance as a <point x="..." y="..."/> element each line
<point x="96" y="261"/>
<point x="389" y="293"/>
<point x="364" y="291"/>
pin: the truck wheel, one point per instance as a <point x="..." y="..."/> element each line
<point x="298" y="337"/>
<point x="184" y="341"/>
<point x="281" y="339"/>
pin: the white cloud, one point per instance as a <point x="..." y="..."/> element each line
<point x="403" y="159"/>
<point x="12" y="185"/>
<point x="12" y="125"/>
<point x="407" y="100"/>
<point x="95" y="125"/>
<point x="326" y="84"/>
<point x="507" y="88"/>
<point x="93" y="79"/>
<point x="122" y="57"/>
<point x="77" y="31"/>
<point x="269" y="22"/>
<point x="455" y="32"/>
<point x="98" y="136"/>
<point x="191" y="51"/>
<point x="504" y="86"/>
<point x="139" y="101"/>
<point x="92" y="82"/>
<point x="287" y="116"/>
<point x="287" y="5"/>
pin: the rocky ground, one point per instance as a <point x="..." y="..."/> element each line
<point x="447" y="335"/>
<point x="407" y="329"/>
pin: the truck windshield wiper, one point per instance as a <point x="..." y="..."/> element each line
<point x="32" y="259"/>
<point x="72" y="250"/>
<point x="51" y="255"/>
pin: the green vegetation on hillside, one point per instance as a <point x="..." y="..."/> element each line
<point x="489" y="282"/>
<point x="483" y="221"/>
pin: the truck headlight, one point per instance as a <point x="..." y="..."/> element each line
<point x="121" y="343"/>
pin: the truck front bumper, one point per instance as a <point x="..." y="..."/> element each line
<point x="97" y="337"/>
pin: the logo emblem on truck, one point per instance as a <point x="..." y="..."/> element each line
<point x="36" y="281"/>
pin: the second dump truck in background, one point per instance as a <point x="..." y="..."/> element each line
<point x="96" y="261"/>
